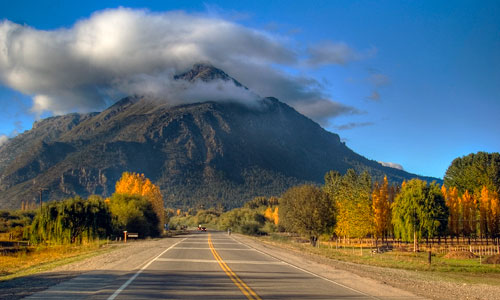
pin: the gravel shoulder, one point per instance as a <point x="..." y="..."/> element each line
<point x="378" y="281"/>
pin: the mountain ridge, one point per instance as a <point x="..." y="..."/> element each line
<point x="199" y="153"/>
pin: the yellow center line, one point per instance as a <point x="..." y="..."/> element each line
<point x="244" y="288"/>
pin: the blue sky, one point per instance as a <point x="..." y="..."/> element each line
<point x="415" y="83"/>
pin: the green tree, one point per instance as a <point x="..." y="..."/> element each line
<point x="419" y="210"/>
<point x="474" y="171"/>
<point x="134" y="214"/>
<point x="72" y="220"/>
<point x="307" y="210"/>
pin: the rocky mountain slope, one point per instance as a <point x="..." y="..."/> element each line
<point x="207" y="153"/>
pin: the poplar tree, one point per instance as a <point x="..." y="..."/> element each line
<point x="138" y="185"/>
<point x="468" y="205"/>
<point x="351" y="197"/>
<point x="453" y="203"/>
<point x="381" y="209"/>
<point x="490" y="212"/>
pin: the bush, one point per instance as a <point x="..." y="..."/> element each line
<point x="242" y="220"/>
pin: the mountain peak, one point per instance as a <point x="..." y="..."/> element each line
<point x="206" y="72"/>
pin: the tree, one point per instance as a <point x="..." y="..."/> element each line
<point x="473" y="171"/>
<point x="268" y="214"/>
<point x="71" y="221"/>
<point x="276" y="217"/>
<point x="306" y="210"/>
<point x="351" y="197"/>
<point x="381" y="209"/>
<point x="134" y="214"/>
<point x="137" y="185"/>
<point x="419" y="211"/>
<point x="453" y="203"/>
<point x="495" y="214"/>
<point x="489" y="213"/>
<point x="272" y="215"/>
<point x="468" y="204"/>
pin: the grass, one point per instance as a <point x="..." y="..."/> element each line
<point x="43" y="258"/>
<point x="468" y="271"/>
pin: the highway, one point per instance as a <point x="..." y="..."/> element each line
<point x="206" y="266"/>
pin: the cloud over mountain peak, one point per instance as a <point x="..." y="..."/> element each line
<point x="121" y="51"/>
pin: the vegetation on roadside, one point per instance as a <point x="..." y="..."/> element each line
<point x="40" y="258"/>
<point x="13" y="223"/>
<point x="351" y="206"/>
<point x="452" y="269"/>
<point x="136" y="206"/>
<point x="71" y="221"/>
<point x="346" y="207"/>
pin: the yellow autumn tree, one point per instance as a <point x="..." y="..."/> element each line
<point x="381" y="209"/>
<point x="272" y="215"/>
<point x="453" y="204"/>
<point x="268" y="214"/>
<point x="468" y="207"/>
<point x="138" y="185"/>
<point x="489" y="211"/>
<point x="351" y="194"/>
<point x="276" y="217"/>
<point x="494" y="223"/>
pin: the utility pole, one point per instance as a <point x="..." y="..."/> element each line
<point x="40" y="190"/>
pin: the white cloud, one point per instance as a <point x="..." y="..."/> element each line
<point x="123" y="51"/>
<point x="353" y="125"/>
<point x="3" y="139"/>
<point x="331" y="53"/>
<point x="379" y="79"/>
<point x="391" y="165"/>
<point x="375" y="96"/>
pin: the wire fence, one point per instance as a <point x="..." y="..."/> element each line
<point x="480" y="247"/>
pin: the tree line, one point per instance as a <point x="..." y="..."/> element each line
<point x="136" y="206"/>
<point x="351" y="206"/>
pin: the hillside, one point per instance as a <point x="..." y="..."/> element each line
<point x="206" y="153"/>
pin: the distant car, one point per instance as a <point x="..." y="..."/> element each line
<point x="203" y="229"/>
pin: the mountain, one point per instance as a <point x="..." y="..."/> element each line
<point x="210" y="153"/>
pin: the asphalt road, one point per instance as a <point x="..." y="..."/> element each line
<point x="207" y="266"/>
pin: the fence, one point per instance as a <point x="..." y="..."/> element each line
<point x="480" y="247"/>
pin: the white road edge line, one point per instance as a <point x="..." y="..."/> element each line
<point x="309" y="272"/>
<point x="129" y="281"/>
